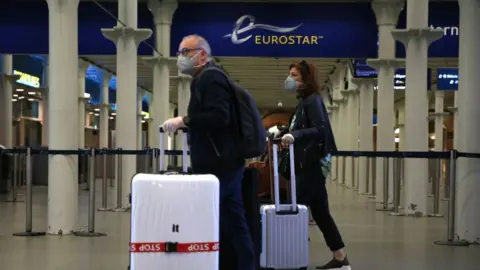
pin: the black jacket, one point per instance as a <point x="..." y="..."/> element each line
<point x="312" y="131"/>
<point x="211" y="123"/>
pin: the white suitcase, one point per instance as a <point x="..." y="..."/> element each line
<point x="175" y="221"/>
<point x="284" y="227"/>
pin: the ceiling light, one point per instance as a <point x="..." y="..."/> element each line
<point x="14" y="99"/>
<point x="31" y="93"/>
<point x="143" y="121"/>
<point x="97" y="114"/>
<point x="21" y="97"/>
<point x="111" y="117"/>
<point x="30" y="99"/>
<point x="114" y="113"/>
<point x="15" y="95"/>
<point x="90" y="112"/>
<point x="19" y="90"/>
<point x="96" y="109"/>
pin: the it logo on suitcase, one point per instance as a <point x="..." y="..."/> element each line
<point x="175" y="228"/>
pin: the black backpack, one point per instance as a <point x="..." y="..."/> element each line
<point x="252" y="133"/>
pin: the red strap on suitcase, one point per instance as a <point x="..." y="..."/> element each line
<point x="173" y="247"/>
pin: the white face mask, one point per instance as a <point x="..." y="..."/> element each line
<point x="290" y="84"/>
<point x="187" y="64"/>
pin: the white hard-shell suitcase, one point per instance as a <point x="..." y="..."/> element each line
<point x="175" y="220"/>
<point x="284" y="227"/>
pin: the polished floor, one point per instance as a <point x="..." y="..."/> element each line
<point x="374" y="239"/>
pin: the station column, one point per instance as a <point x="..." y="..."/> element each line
<point x="105" y="107"/>
<point x="182" y="101"/>
<point x="365" y="131"/>
<point x="127" y="38"/>
<point x="468" y="172"/>
<point x="333" y="122"/>
<point x="44" y="102"/>
<point x="416" y="39"/>
<point x="6" y="136"/>
<point x="386" y="12"/>
<point x="63" y="121"/>
<point x="162" y="11"/>
<point x="82" y="70"/>
<point x="139" y="119"/>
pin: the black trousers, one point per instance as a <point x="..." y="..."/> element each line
<point x="312" y="192"/>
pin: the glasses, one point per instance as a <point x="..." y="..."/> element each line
<point x="186" y="51"/>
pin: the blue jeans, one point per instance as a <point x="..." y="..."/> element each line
<point x="232" y="218"/>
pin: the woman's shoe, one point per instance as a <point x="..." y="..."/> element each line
<point x="335" y="264"/>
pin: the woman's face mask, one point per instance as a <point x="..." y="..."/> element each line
<point x="290" y="84"/>
<point x="187" y="64"/>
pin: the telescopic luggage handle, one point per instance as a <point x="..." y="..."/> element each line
<point x="276" y="177"/>
<point x="184" y="149"/>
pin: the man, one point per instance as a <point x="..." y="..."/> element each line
<point x="214" y="134"/>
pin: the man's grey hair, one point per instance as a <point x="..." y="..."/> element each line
<point x="202" y="43"/>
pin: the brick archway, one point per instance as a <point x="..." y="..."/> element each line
<point x="275" y="118"/>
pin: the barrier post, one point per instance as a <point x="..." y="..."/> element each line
<point x="147" y="160"/>
<point x="15" y="180"/>
<point x="451" y="241"/>
<point x="119" y="207"/>
<point x="354" y="178"/>
<point x="367" y="175"/>
<point x="336" y="169"/>
<point x="436" y="189"/>
<point x="154" y="160"/>
<point x="104" y="182"/>
<point x="91" y="200"/>
<point x="396" y="187"/>
<point x="344" y="165"/>
<point x="386" y="174"/>
<point x="29" y="199"/>
<point x="373" y="187"/>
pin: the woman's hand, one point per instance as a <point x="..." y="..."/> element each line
<point x="287" y="140"/>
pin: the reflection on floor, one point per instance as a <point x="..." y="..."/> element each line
<point x="374" y="239"/>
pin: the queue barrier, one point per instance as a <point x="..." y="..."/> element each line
<point x="154" y="154"/>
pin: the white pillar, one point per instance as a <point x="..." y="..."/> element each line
<point x="139" y="119"/>
<point x="468" y="172"/>
<point x="183" y="98"/>
<point x="104" y="109"/>
<point x="82" y="69"/>
<point x="6" y="117"/>
<point x="354" y="139"/>
<point x="333" y="115"/>
<point x="439" y="119"/>
<point x="63" y="121"/>
<point x="348" y="129"/>
<point x="386" y="12"/>
<point x="159" y="110"/>
<point x="127" y="39"/>
<point x="416" y="39"/>
<point x="44" y="103"/>
<point x="365" y="130"/>
<point x="401" y="126"/>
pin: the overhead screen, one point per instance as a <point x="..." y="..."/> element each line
<point x="447" y="79"/>
<point x="363" y="70"/>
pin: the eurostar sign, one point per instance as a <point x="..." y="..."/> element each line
<point x="27" y="79"/>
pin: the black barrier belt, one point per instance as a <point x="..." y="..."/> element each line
<point x="156" y="152"/>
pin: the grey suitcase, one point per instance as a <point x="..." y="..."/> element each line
<point x="284" y="227"/>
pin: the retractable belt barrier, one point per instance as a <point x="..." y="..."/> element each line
<point x="152" y="165"/>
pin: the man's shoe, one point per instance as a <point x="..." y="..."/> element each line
<point x="335" y="264"/>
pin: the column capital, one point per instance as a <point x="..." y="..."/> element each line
<point x="405" y="36"/>
<point x="117" y="32"/>
<point x="367" y="82"/>
<point x="394" y="63"/>
<point x="107" y="76"/>
<point x="84" y="99"/>
<point x="387" y="11"/>
<point x="332" y="107"/>
<point x="162" y="10"/>
<point x="453" y="110"/>
<point x="10" y="78"/>
<point x="338" y="101"/>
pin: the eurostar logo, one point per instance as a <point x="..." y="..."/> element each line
<point x="283" y="39"/>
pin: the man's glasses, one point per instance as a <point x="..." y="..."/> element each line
<point x="186" y="51"/>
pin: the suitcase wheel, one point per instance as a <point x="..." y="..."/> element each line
<point x="303" y="268"/>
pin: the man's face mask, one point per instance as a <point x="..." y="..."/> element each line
<point x="187" y="64"/>
<point x="290" y="84"/>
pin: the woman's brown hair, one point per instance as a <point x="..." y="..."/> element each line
<point x="309" y="77"/>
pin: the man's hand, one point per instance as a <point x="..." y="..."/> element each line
<point x="172" y="124"/>
<point x="287" y="139"/>
<point x="274" y="131"/>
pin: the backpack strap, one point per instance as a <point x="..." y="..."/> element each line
<point x="211" y="67"/>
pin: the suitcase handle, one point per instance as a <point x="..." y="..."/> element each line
<point x="276" y="177"/>
<point x="162" y="147"/>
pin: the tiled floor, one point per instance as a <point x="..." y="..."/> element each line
<point x="374" y="240"/>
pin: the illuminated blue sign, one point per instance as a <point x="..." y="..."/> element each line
<point x="280" y="29"/>
<point x="447" y="79"/>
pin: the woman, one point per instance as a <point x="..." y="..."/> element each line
<point x="311" y="133"/>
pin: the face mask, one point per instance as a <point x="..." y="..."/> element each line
<point x="187" y="64"/>
<point x="290" y="84"/>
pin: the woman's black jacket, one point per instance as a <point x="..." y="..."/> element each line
<point x="312" y="131"/>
